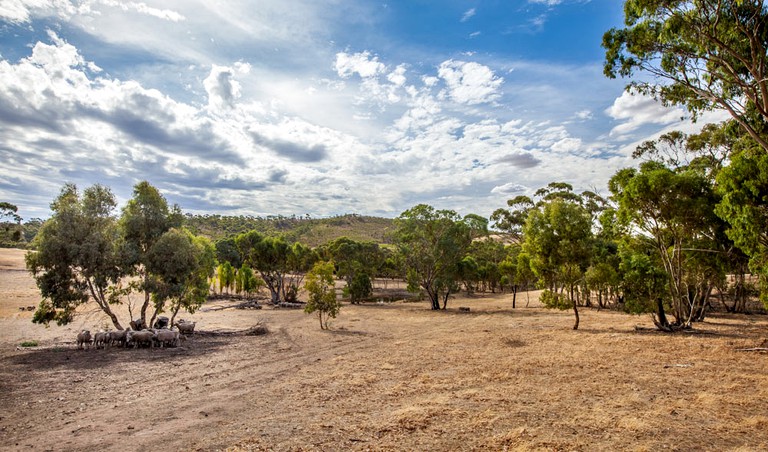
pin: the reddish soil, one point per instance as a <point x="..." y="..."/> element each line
<point x="392" y="376"/>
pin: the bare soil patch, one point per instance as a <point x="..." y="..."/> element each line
<point x="389" y="376"/>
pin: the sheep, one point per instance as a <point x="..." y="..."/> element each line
<point x="118" y="337"/>
<point x="137" y="324"/>
<point x="100" y="339"/>
<point x="140" y="337"/>
<point x="186" y="327"/>
<point x="83" y="339"/>
<point x="164" y="336"/>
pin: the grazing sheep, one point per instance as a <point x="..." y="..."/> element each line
<point x="118" y="337"/>
<point x="100" y="339"/>
<point x="186" y="327"/>
<point x="83" y="339"/>
<point x="138" y="338"/>
<point x="167" y="337"/>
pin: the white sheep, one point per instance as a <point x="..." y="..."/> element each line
<point x="168" y="337"/>
<point x="83" y="339"/>
<point x="118" y="336"/>
<point x="186" y="327"/>
<point x="140" y="337"/>
<point x="100" y="339"/>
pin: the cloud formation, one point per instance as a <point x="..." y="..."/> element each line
<point x="636" y="110"/>
<point x="469" y="82"/>
<point x="286" y="108"/>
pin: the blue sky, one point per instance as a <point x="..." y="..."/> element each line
<point x="319" y="107"/>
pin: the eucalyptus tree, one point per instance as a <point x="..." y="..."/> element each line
<point x="301" y="259"/>
<point x="226" y="275"/>
<point x="268" y="255"/>
<point x="512" y="220"/>
<point x="702" y="54"/>
<point x="743" y="186"/>
<point x="558" y="240"/>
<point x="78" y="255"/>
<point x="181" y="265"/>
<point x="322" y="293"/>
<point x="432" y="243"/>
<point x="145" y="218"/>
<point x="674" y="211"/>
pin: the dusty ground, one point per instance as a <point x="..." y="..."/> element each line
<point x="388" y="377"/>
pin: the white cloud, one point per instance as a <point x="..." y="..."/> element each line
<point x="509" y="188"/>
<point x="223" y="90"/>
<point x="362" y="64"/>
<point x="470" y="83"/>
<point x="468" y="14"/>
<point x="636" y="110"/>
<point x="143" y="8"/>
<point x="21" y="11"/>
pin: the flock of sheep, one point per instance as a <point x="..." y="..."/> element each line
<point x="160" y="337"/>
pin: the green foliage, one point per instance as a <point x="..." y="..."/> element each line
<point x="78" y="255"/>
<point x="675" y="210"/>
<point x="31" y="343"/>
<point x="355" y="262"/>
<point x="180" y="265"/>
<point x="226" y="274"/>
<point x="744" y="205"/>
<point x="512" y="220"/>
<point x="360" y="287"/>
<point x="145" y="218"/>
<point x="554" y="300"/>
<point x="558" y="239"/>
<point x="249" y="282"/>
<point x="274" y="259"/>
<point x="11" y="230"/>
<point x="432" y="243"/>
<point x="702" y="54"/>
<point x="320" y="286"/>
<point x="226" y="251"/>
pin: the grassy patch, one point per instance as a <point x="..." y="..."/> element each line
<point x="29" y="344"/>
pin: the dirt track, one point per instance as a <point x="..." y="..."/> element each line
<point x="388" y="377"/>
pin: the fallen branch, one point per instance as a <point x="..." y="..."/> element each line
<point x="753" y="349"/>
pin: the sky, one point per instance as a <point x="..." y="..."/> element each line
<point x="319" y="107"/>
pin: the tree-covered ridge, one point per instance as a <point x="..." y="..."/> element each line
<point x="305" y="229"/>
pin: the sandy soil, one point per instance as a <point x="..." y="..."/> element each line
<point x="388" y="377"/>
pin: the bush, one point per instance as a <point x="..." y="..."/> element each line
<point x="29" y="344"/>
<point x="553" y="300"/>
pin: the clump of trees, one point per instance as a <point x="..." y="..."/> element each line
<point x="85" y="252"/>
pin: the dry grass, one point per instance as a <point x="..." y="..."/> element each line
<point x="389" y="377"/>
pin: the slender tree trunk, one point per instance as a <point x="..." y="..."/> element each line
<point x="101" y="300"/>
<point x="514" y="295"/>
<point x="575" y="313"/>
<point x="175" y="311"/>
<point x="146" y="300"/>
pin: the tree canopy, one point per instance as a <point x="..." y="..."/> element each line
<point x="432" y="242"/>
<point x="703" y="54"/>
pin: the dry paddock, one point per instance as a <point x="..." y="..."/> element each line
<point x="393" y="376"/>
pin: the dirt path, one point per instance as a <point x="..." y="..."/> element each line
<point x="388" y="377"/>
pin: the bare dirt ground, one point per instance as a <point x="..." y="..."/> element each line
<point x="391" y="376"/>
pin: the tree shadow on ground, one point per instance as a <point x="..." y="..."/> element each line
<point x="64" y="356"/>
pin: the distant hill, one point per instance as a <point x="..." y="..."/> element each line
<point x="310" y="231"/>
